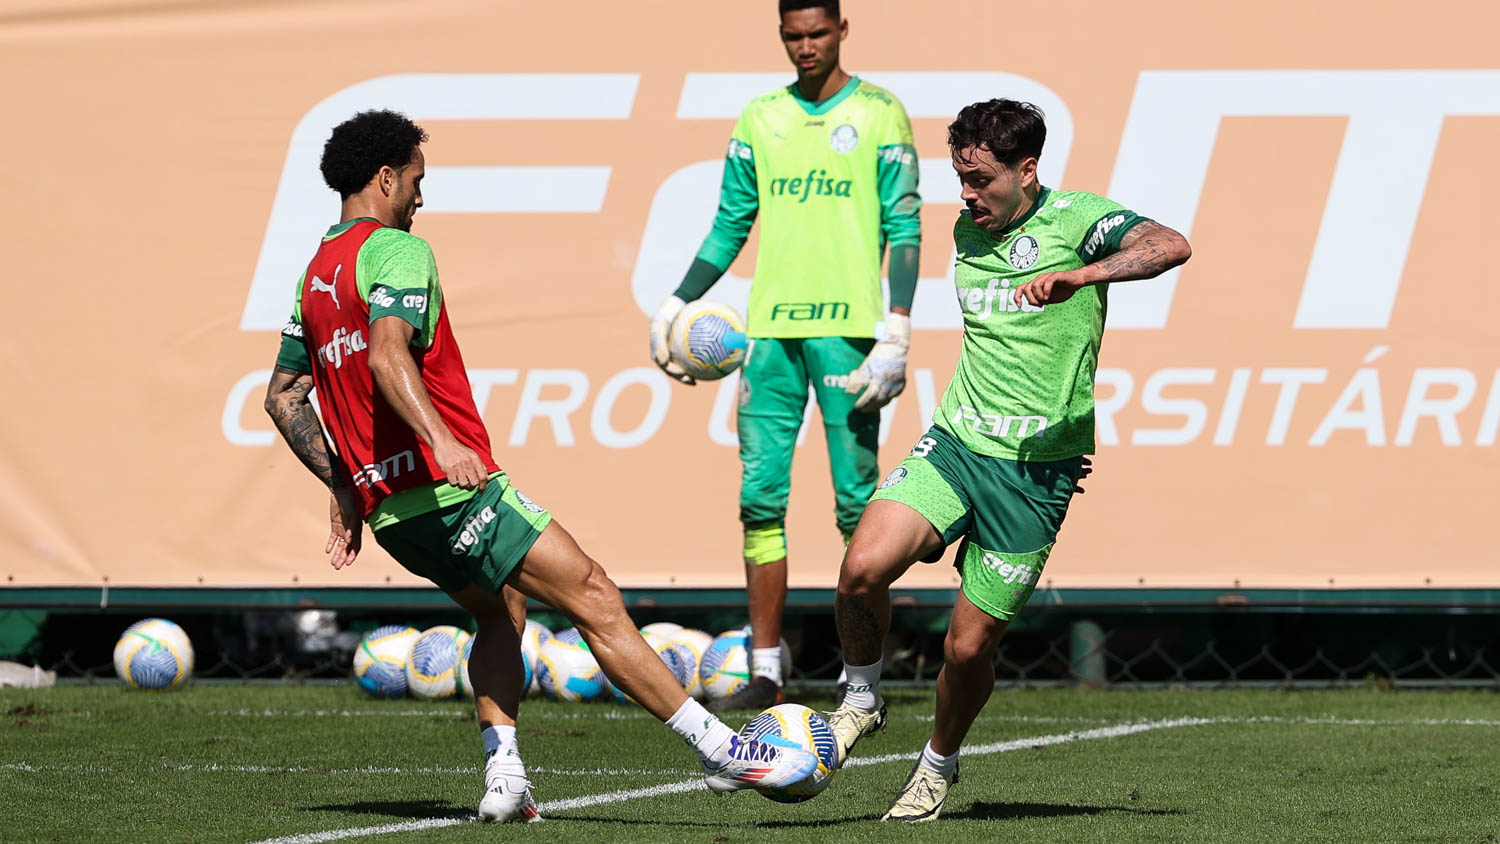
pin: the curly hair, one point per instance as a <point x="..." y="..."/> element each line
<point x="829" y="6"/>
<point x="1010" y="130"/>
<point x="363" y="144"/>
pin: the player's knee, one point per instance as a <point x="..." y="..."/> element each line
<point x="969" y="648"/>
<point x="597" y="603"/>
<point x="865" y="570"/>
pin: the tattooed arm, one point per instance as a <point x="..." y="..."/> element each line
<point x="1147" y="250"/>
<point x="291" y="411"/>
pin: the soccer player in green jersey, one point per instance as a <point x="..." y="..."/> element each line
<point x="1008" y="444"/>
<point x="828" y="165"/>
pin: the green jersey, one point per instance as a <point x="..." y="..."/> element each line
<point x="834" y="183"/>
<point x="1024" y="387"/>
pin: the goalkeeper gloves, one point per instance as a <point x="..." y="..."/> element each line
<point x="882" y="376"/>
<point x="661" y="327"/>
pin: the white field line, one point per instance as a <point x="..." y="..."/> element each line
<point x="697" y="784"/>
<point x="1112" y="731"/>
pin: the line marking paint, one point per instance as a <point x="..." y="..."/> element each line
<point x="1112" y="731"/>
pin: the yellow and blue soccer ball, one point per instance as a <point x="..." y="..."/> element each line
<point x="726" y="664"/>
<point x="532" y="638"/>
<point x="809" y="731"/>
<point x="567" y="671"/>
<point x="693" y="644"/>
<point x="154" y="654"/>
<point x="675" y="658"/>
<point x="708" y="340"/>
<point x="434" y="669"/>
<point x="380" y="660"/>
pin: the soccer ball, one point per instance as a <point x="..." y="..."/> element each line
<point x="434" y="671"/>
<point x="660" y="628"/>
<point x="532" y="639"/>
<point x="708" y="340"/>
<point x="380" y="660"/>
<point x="571" y="636"/>
<point x="568" y="672"/>
<point x="465" y="685"/>
<point x="677" y="660"/>
<point x="806" y="729"/>
<point x="694" y="644"/>
<point x="726" y="664"/>
<point x="154" y="654"/>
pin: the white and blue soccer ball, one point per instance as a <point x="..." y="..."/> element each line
<point x="677" y="660"/>
<point x="708" y="340"/>
<point x="806" y="729"/>
<point x="532" y="638"/>
<point x="660" y="628"/>
<point x="380" y="660"/>
<point x="568" y="672"/>
<point x="434" y="669"/>
<point x="693" y="644"/>
<point x="726" y="664"/>
<point x="154" y="654"/>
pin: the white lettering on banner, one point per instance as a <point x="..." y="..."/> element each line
<point x="483" y="382"/>
<point x="684" y="205"/>
<point x="1229" y="419"/>
<point x="533" y="406"/>
<point x="1364" y="388"/>
<point x="1122" y="384"/>
<point x="1490" y="422"/>
<point x="303" y="204"/>
<point x="234" y="408"/>
<point x="1291" y="381"/>
<point x="1443" y="411"/>
<point x="1194" y="412"/>
<point x="1395" y="118"/>
<point x="652" y="379"/>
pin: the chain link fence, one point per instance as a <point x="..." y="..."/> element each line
<point x="1107" y="648"/>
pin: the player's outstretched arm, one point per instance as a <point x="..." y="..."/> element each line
<point x="292" y="412"/>
<point x="1147" y="250"/>
<point x="400" y="383"/>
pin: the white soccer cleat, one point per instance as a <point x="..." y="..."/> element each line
<point x="507" y="797"/>
<point x="921" y="799"/>
<point x="766" y="763"/>
<point x="851" y="723"/>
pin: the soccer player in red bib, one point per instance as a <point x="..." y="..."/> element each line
<point x="411" y="457"/>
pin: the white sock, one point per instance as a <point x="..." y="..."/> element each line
<point x="945" y="765"/>
<point x="766" y="662"/>
<point x="698" y="727"/>
<point x="864" y="685"/>
<point x="502" y="742"/>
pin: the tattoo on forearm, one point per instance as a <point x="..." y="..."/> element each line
<point x="859" y="630"/>
<point x="1146" y="252"/>
<point x="294" y="417"/>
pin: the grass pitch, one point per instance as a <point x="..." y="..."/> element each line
<point x="249" y="763"/>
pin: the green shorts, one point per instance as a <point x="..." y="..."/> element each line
<point x="480" y="540"/>
<point x="1008" y="513"/>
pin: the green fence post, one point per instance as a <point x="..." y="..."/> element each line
<point x="1086" y="654"/>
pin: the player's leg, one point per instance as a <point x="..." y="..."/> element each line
<point x="557" y="572"/>
<point x="853" y="436"/>
<point x="890" y="537"/>
<point x="449" y="547"/>
<point x="772" y="400"/>
<point x="497" y="674"/>
<point x="1019" y="507"/>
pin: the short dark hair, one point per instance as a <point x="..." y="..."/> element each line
<point x="829" y="6"/>
<point x="366" y="142"/>
<point x="1010" y="130"/>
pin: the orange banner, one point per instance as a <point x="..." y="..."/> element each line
<point x="1313" y="401"/>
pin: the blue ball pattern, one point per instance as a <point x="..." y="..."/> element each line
<point x="153" y="666"/>
<point x="433" y="654"/>
<point x="712" y="340"/>
<point x="718" y="652"/>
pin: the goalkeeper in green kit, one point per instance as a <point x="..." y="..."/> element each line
<point x="829" y="165"/>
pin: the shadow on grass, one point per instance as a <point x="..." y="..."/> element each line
<point x="976" y="811"/>
<point x="982" y="811"/>
<point x="395" y="808"/>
